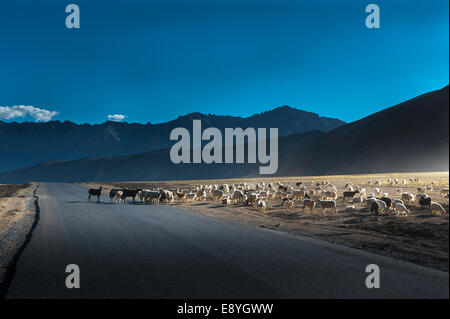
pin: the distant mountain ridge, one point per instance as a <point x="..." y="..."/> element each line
<point x="28" y="143"/>
<point x="409" y="137"/>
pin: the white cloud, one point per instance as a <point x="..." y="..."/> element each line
<point x="39" y="115"/>
<point x="116" y="117"/>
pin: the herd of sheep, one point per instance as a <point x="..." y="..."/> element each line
<point x="323" y="195"/>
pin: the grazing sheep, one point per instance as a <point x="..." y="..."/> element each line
<point x="381" y="204"/>
<point x="436" y="207"/>
<point x="387" y="200"/>
<point x="407" y="197"/>
<point x="399" y="191"/>
<point x="328" y="204"/>
<point x="394" y="202"/>
<point x="444" y="191"/>
<point x="358" y="199"/>
<point x="95" y="192"/>
<point x="401" y="209"/>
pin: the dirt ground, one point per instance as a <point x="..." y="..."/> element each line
<point x="420" y="237"/>
<point x="16" y="219"/>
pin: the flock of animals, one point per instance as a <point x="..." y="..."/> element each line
<point x="323" y="195"/>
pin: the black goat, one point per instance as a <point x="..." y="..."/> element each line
<point x="130" y="193"/>
<point x="95" y="192"/>
<point x="387" y="200"/>
<point x="425" y="201"/>
<point x="375" y="208"/>
<point x="349" y="194"/>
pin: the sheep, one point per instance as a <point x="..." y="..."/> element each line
<point x="349" y="194"/>
<point x="401" y="209"/>
<point x="181" y="196"/>
<point x="298" y="194"/>
<point x="350" y="208"/>
<point x="217" y="194"/>
<point x="429" y="188"/>
<point x="261" y="205"/>
<point x="151" y="196"/>
<point x="166" y="196"/>
<point x="387" y="200"/>
<point x="112" y="193"/>
<point x="95" y="192"/>
<point x="407" y="197"/>
<point x="330" y="195"/>
<point x="436" y="207"/>
<point x="381" y="204"/>
<point x="288" y="203"/>
<point x="328" y="204"/>
<point x="238" y="196"/>
<point x="394" y="202"/>
<point x="399" y="191"/>
<point x="377" y="191"/>
<point x="252" y="199"/>
<point x="118" y="197"/>
<point x="226" y="200"/>
<point x="358" y="199"/>
<point x="190" y="197"/>
<point x="444" y="191"/>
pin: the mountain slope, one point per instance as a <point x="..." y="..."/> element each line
<point x="411" y="136"/>
<point x="24" y="144"/>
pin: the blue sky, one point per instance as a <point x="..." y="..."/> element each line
<point x="155" y="60"/>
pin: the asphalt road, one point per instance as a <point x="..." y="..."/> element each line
<point x="159" y="251"/>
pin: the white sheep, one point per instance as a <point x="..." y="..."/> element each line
<point x="401" y="209"/>
<point x="436" y="207"/>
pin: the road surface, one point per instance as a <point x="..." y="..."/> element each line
<point x="160" y="251"/>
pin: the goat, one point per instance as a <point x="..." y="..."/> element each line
<point x="95" y="192"/>
<point x="349" y="195"/>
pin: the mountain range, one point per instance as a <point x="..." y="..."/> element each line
<point x="29" y="143"/>
<point x="409" y="137"/>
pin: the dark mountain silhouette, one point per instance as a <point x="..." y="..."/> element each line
<point x="23" y="144"/>
<point x="409" y="137"/>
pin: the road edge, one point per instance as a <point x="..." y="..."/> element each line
<point x="32" y="205"/>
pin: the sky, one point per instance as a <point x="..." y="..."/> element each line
<point x="152" y="61"/>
